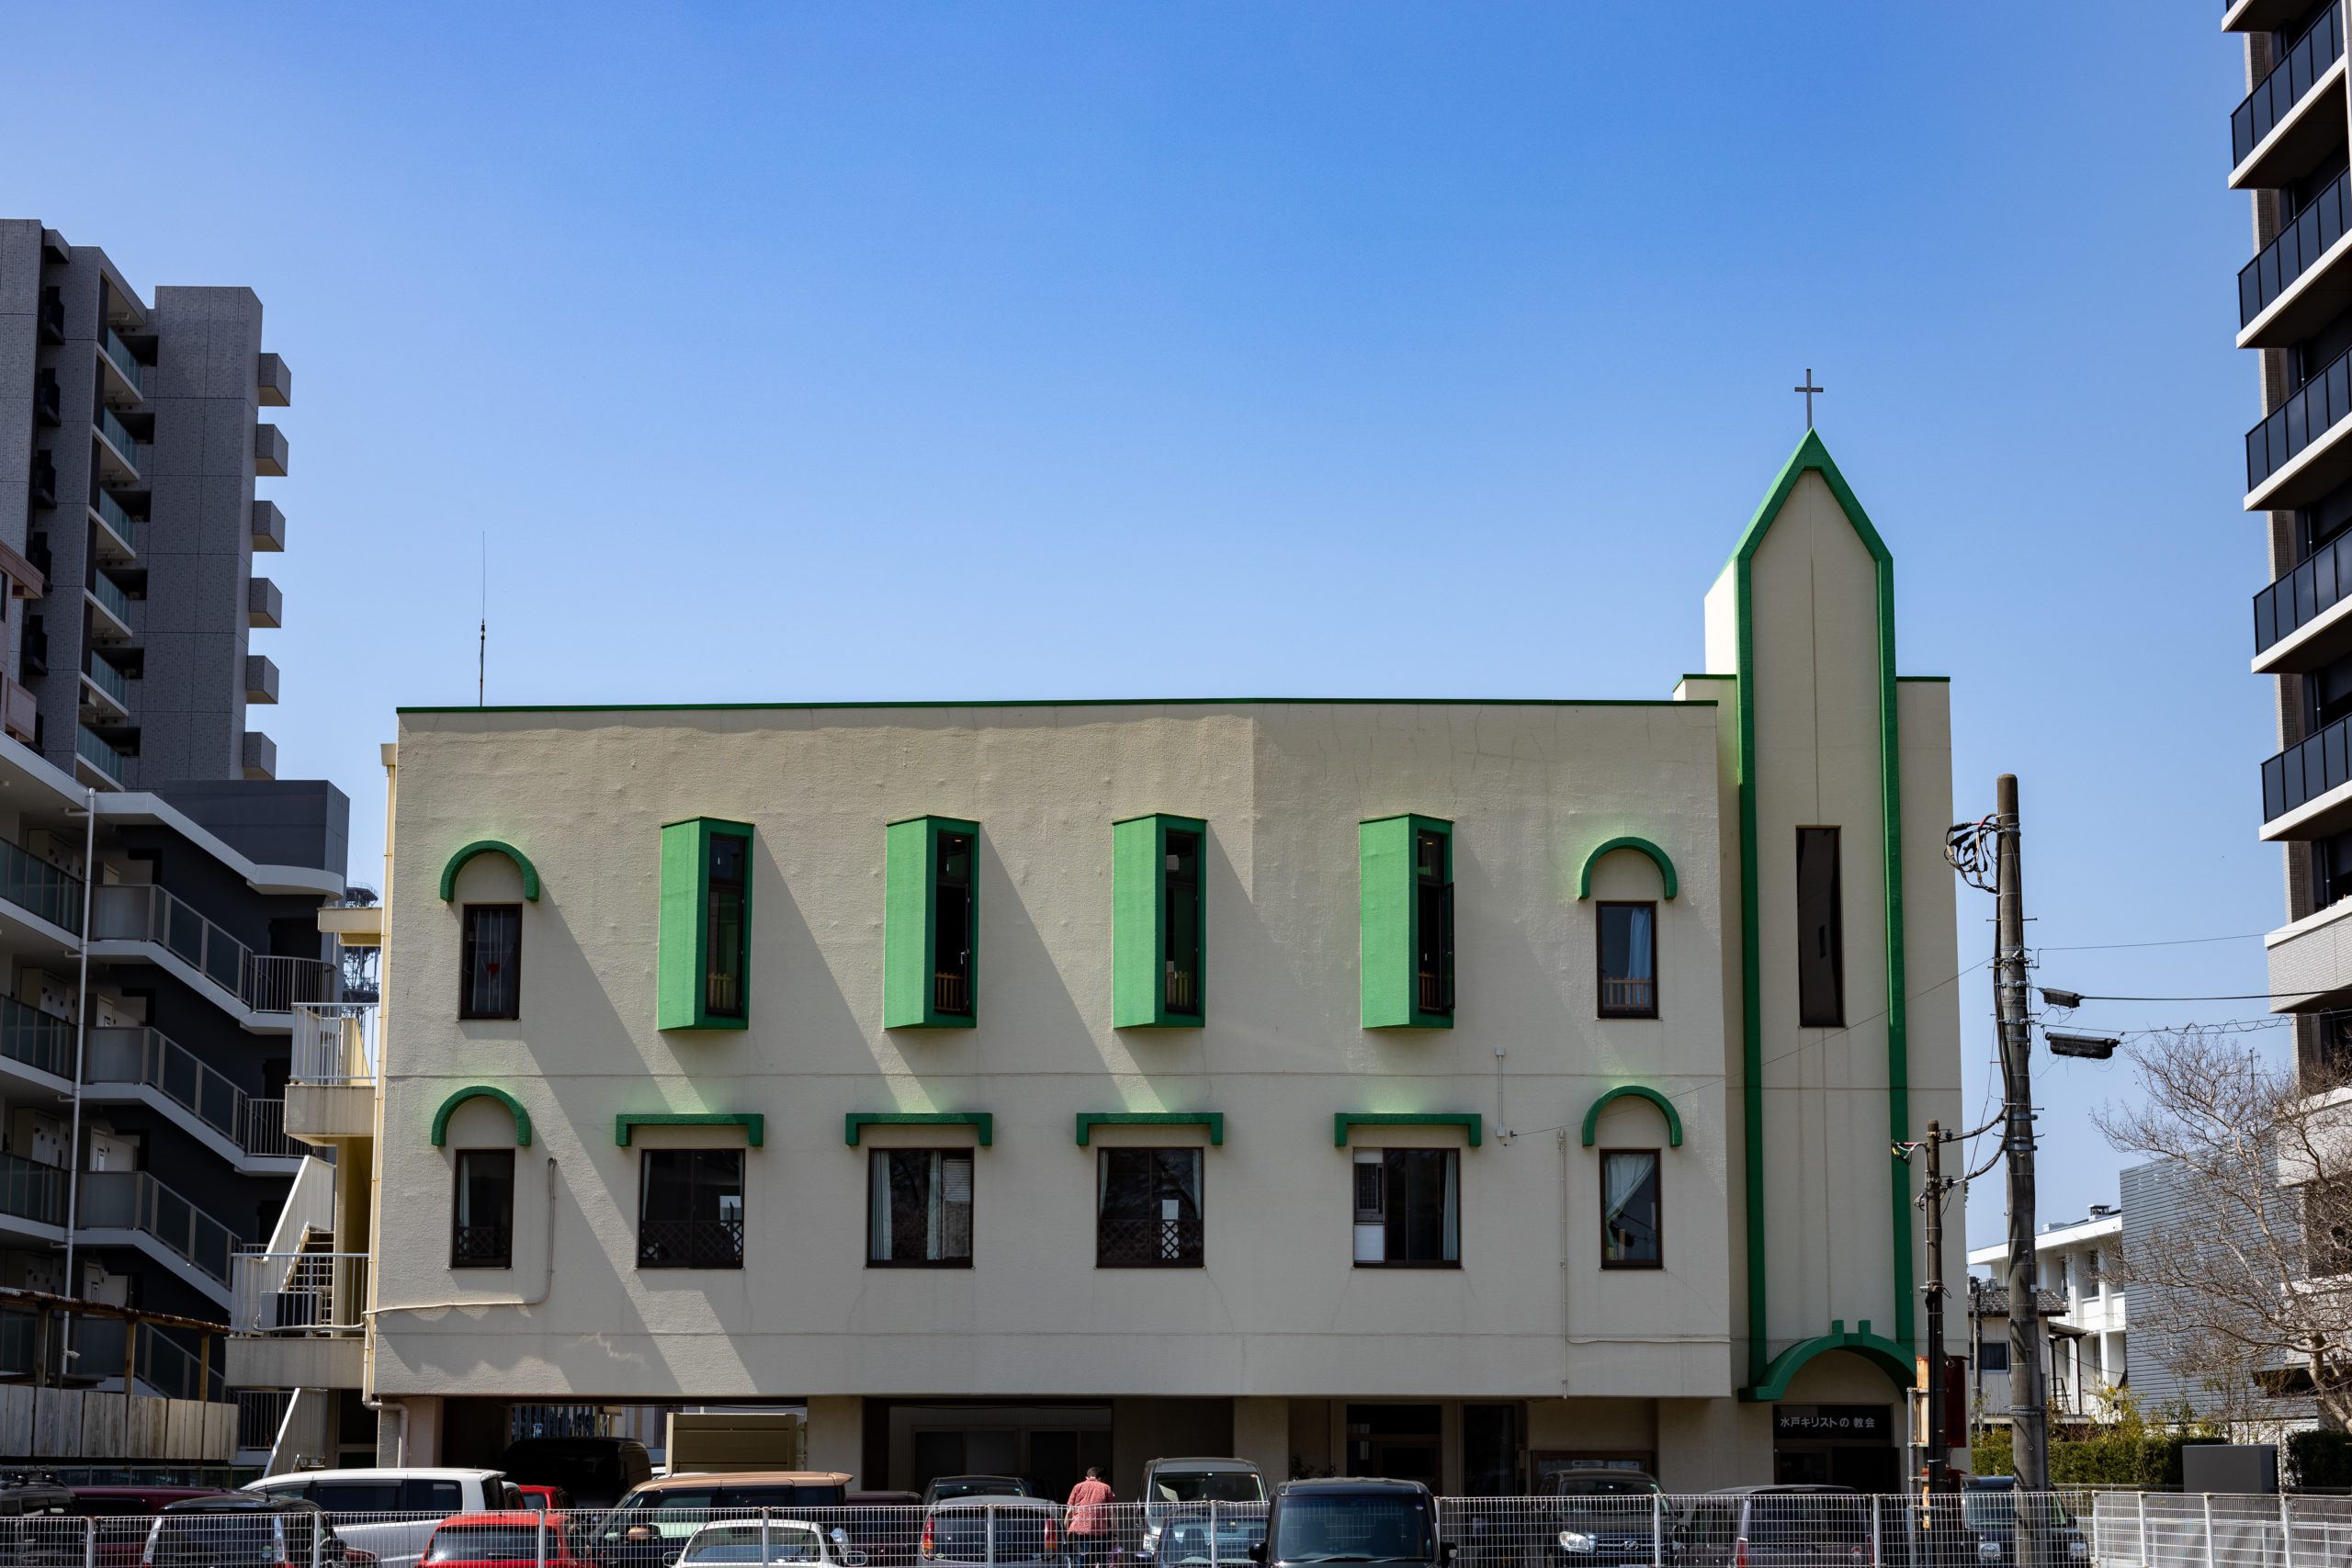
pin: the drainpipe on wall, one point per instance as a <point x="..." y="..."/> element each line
<point x="1567" y="1322"/>
<point x="81" y="1038"/>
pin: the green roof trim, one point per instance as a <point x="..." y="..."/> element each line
<point x="1880" y="1351"/>
<point x="755" y="1125"/>
<point x="857" y="1122"/>
<point x="481" y="1091"/>
<point x="490" y="847"/>
<point x="1213" y="1120"/>
<point x="1634" y="1091"/>
<point x="1628" y="841"/>
<point x="1346" y="1122"/>
<point x="1813" y="455"/>
<point x="1074" y="703"/>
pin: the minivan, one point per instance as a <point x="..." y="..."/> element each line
<point x="1346" y="1519"/>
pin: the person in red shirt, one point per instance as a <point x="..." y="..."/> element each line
<point x="1088" y="1523"/>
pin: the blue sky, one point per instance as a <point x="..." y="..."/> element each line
<point x="881" y="351"/>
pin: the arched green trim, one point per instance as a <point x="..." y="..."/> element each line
<point x="1626" y="841"/>
<point x="481" y="1091"/>
<point x="1879" y="1351"/>
<point x="1634" y="1091"/>
<point x="490" y="847"/>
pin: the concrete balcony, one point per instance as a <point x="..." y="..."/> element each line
<point x="269" y="451"/>
<point x="273" y="383"/>
<point x="2260" y="16"/>
<point x="259" y="755"/>
<point x="268" y="528"/>
<point x="120" y="453"/>
<point x="264" y="605"/>
<point x="2310" y="961"/>
<point x="260" y="679"/>
<point x="117" y="534"/>
<point x="18" y="710"/>
<point x="2300" y="280"/>
<point x="2295" y="115"/>
<point x="122" y="380"/>
<point x="275" y="1361"/>
<point x="330" y="1089"/>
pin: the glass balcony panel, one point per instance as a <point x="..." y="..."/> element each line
<point x="111" y="680"/>
<point x="97" y="753"/>
<point x="2275" y="97"/>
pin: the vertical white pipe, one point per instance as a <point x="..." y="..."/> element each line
<point x="81" y="1038"/>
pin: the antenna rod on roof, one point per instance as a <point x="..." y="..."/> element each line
<point x="481" y="644"/>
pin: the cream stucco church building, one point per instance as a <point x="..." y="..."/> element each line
<point x="1431" y="1088"/>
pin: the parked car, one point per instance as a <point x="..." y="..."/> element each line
<point x="246" y="1530"/>
<point x="650" y="1527"/>
<point x="1777" y="1526"/>
<point x="772" y="1540"/>
<point x="1008" y="1530"/>
<point x="124" y="1515"/>
<point x="597" y="1471"/>
<point x="503" y="1538"/>
<point x="1178" y="1518"/>
<point x="886" y="1526"/>
<point x="391" y="1512"/>
<point x="1347" y="1519"/>
<point x="537" y="1495"/>
<point x="1989" y="1510"/>
<point x="38" y="1524"/>
<point x="1602" y="1517"/>
<point x="946" y="1488"/>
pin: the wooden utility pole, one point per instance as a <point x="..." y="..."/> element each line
<point x="2029" y="1396"/>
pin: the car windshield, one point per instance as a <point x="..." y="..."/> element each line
<point x="487" y="1543"/>
<point x="1353" y="1529"/>
<point x="742" y="1543"/>
<point x="1995" y="1509"/>
<point x="976" y="1486"/>
<point x="1805" y="1518"/>
<point x="1208" y="1486"/>
<point x="671" y="1514"/>
<point x="1604" y="1486"/>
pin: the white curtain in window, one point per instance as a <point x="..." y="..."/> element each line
<point x="1625" y="1175"/>
<point x="1641" y="945"/>
<point x="1453" y="1242"/>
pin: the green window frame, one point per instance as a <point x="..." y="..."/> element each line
<point x="703" y="975"/>
<point x="1158" y="922"/>
<point x="1406" y="913"/>
<point x="931" y="924"/>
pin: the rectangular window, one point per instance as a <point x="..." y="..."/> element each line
<point x="491" y="962"/>
<point x="482" y="1230"/>
<point x="919" y="1211"/>
<point x="1156" y="923"/>
<point x="690" y="1209"/>
<point x="1405" y="884"/>
<point x="1993" y="1355"/>
<point x="1821" y="932"/>
<point x="1628" y="939"/>
<point x="931" y="924"/>
<point x="1407" y="1208"/>
<point x="1147" y="1209"/>
<point x="703" y="976"/>
<point x="1629" y="1209"/>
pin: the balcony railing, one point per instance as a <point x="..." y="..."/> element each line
<point x="144" y="912"/>
<point x="1148" y="1243"/>
<point x="1182" y="991"/>
<point x="2307" y="770"/>
<point x="951" y="991"/>
<point x="2303" y="594"/>
<point x="97" y="753"/>
<point x="2305" y="62"/>
<point x="489" y="1247"/>
<point x="2300" y="421"/>
<point x="31" y="883"/>
<point x="37" y="1039"/>
<point x="111" y="680"/>
<point x="134" y="1201"/>
<point x="1628" y="998"/>
<point x="32" y="1192"/>
<point x="110" y="593"/>
<point x="690" y="1244"/>
<point x="117" y="435"/>
<point x="260" y="1411"/>
<point x="335" y="1043"/>
<point x="140" y="1055"/>
<point x="126" y="527"/>
<point x="301" y="1293"/>
<point x="125" y="361"/>
<point x="2298" y="246"/>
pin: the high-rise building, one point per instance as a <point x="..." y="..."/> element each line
<point x="160" y="945"/>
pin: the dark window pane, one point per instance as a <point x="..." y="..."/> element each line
<point x="1821" y="933"/>
<point x="1421" y="1213"/>
<point x="1182" y="921"/>
<point x="1629" y="1209"/>
<point x="1629" y="961"/>
<point x="490" y="978"/>
<point x="690" y="1209"/>
<point x="1149" y="1209"/>
<point x="1434" y="920"/>
<point x="952" y="925"/>
<point x="920" y="1210"/>
<point x="481" y="1232"/>
<point x="727" y="931"/>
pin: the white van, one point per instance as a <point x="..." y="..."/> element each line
<point x="391" y="1512"/>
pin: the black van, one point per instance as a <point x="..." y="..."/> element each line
<point x="597" y="1471"/>
<point x="1350" y="1519"/>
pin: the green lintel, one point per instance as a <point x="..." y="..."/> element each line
<point x="754" y="1122"/>
<point x="1628" y="841"/>
<point x="481" y="1091"/>
<point x="1634" y="1091"/>
<point x="1469" y="1121"/>
<point x="985" y="1121"/>
<point x="1213" y="1120"/>
<point x="490" y="847"/>
<point x="1881" y="1352"/>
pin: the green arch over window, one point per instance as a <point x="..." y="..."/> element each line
<point x="1879" y="1351"/>
<point x="1626" y="841"/>
<point x="481" y="1091"/>
<point x="522" y="863"/>
<point x="1634" y="1091"/>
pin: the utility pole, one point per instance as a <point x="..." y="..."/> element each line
<point x="1938" y="1458"/>
<point x="2029" y="1415"/>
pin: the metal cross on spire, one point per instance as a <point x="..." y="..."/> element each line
<point x="1809" y="390"/>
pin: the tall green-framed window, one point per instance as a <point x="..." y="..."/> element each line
<point x="1406" y="885"/>
<point x="703" y="977"/>
<point x="1159" y="926"/>
<point x="931" y="928"/>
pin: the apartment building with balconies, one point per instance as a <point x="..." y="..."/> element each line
<point x="132" y="434"/>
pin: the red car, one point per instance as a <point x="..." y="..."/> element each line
<point x="538" y="1495"/>
<point x="508" y="1539"/>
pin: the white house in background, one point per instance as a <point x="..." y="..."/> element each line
<point x="2087" y="1343"/>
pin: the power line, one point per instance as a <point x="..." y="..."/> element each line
<point x="2177" y="942"/>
